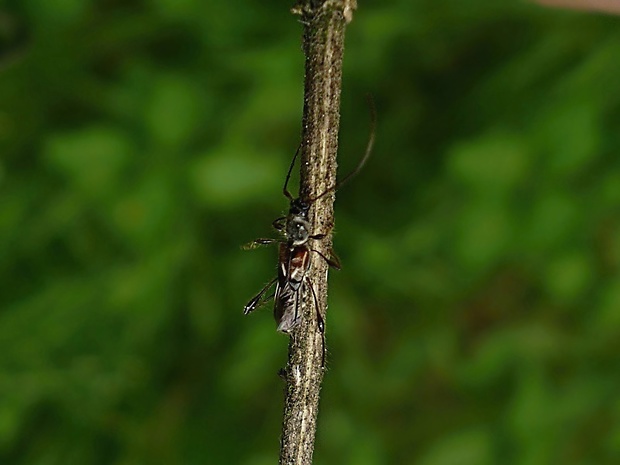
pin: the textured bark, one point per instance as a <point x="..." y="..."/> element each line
<point x="324" y="24"/>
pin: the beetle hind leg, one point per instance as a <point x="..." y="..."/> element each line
<point x="259" y="298"/>
<point x="320" y="322"/>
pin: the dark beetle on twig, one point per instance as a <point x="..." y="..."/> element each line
<point x="294" y="252"/>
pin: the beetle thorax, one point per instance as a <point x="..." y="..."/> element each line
<point x="297" y="230"/>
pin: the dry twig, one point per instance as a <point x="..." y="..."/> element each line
<point x="324" y="25"/>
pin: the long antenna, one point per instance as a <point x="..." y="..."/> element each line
<point x="288" y="175"/>
<point x="362" y="162"/>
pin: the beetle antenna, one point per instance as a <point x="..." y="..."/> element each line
<point x="362" y="162"/>
<point x="288" y="175"/>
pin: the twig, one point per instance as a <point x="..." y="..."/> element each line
<point x="324" y="24"/>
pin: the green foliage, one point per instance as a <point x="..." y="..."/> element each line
<point x="477" y="317"/>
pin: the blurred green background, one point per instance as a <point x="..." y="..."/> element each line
<point x="477" y="317"/>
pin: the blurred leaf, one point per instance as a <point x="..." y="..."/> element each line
<point x="468" y="447"/>
<point x="484" y="234"/>
<point x="229" y="177"/>
<point x="62" y="11"/>
<point x="571" y="139"/>
<point x="92" y="159"/>
<point x="569" y="277"/>
<point x="494" y="163"/>
<point x="173" y="109"/>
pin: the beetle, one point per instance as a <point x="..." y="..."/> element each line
<point x="293" y="265"/>
<point x="294" y="257"/>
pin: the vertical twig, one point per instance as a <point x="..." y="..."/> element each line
<point x="324" y="25"/>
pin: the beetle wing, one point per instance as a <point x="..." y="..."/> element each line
<point x="292" y="267"/>
<point x="286" y="309"/>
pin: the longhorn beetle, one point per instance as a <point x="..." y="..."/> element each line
<point x="295" y="249"/>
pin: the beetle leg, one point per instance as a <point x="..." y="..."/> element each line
<point x="320" y="322"/>
<point x="279" y="223"/>
<point x="333" y="261"/>
<point x="259" y="242"/>
<point x="258" y="300"/>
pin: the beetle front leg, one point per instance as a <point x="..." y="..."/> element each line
<point x="259" y="242"/>
<point x="279" y="223"/>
